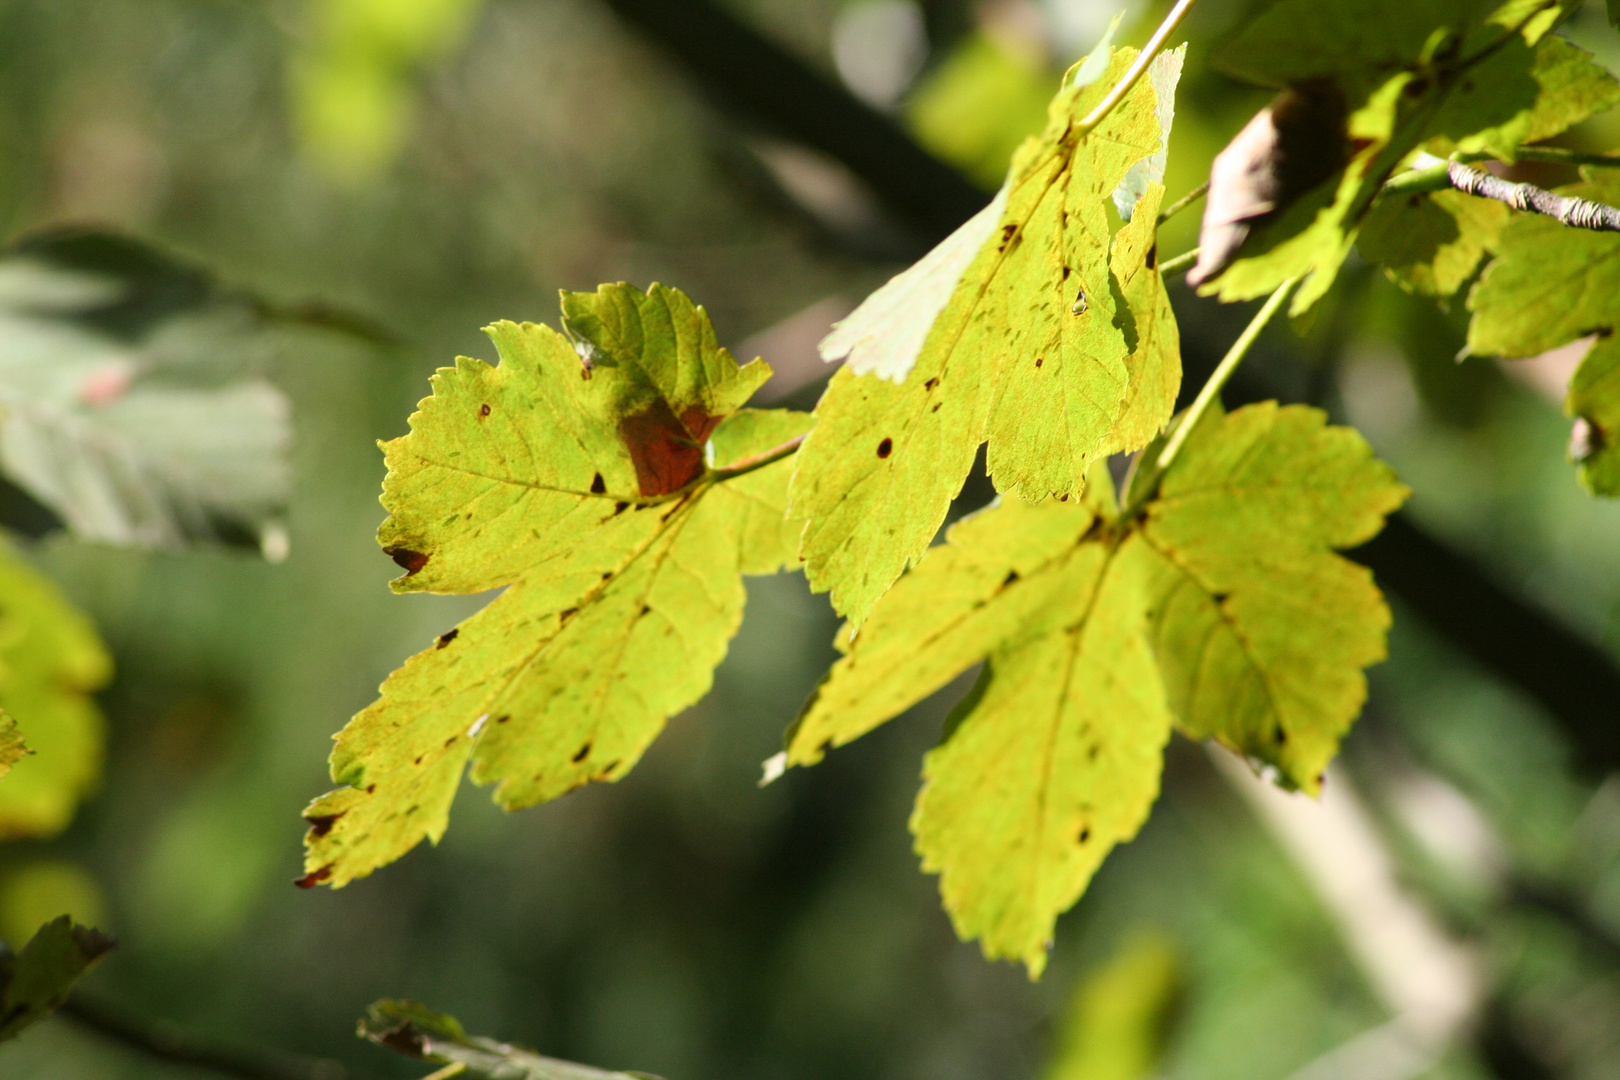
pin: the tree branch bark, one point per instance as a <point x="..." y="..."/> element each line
<point x="1576" y="213"/>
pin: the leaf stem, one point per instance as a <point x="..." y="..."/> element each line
<point x="1223" y="372"/>
<point x="1179" y="263"/>
<point x="1182" y="203"/>
<point x="759" y="461"/>
<point x="1143" y="59"/>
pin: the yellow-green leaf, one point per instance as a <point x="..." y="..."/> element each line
<point x="12" y="747"/>
<point x="1443" y="73"/>
<point x="1119" y="1018"/>
<point x="1431" y="243"/>
<point x="1029" y="354"/>
<point x="1594" y="400"/>
<point x="577" y="474"/>
<point x="1261" y="631"/>
<point x="1219" y="605"/>
<point x="51" y="661"/>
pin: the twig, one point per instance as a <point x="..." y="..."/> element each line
<point x="1182" y="203"/>
<point x="1576" y="213"/>
<point x="1143" y="59"/>
<point x="1223" y="371"/>
<point x="760" y="460"/>
<point x="169" y="1042"/>
<point x="1179" y="263"/>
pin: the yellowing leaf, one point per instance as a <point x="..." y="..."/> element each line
<point x="1218" y="606"/>
<point x="1431" y="243"/>
<point x="1550" y="285"/>
<point x="575" y="474"/>
<point x="51" y="660"/>
<point x="1029" y="354"/>
<point x="12" y="747"/>
<point x="1262" y="633"/>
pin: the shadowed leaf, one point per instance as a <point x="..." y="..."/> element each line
<point x="37" y="980"/>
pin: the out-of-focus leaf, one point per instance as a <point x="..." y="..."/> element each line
<point x="1431" y="243"/>
<point x="1441" y="73"/>
<point x="1219" y="606"/>
<point x="130" y="400"/>
<point x="588" y="477"/>
<point x="353" y="81"/>
<point x="36" y="981"/>
<point x="1550" y="285"/>
<point x="51" y="660"/>
<point x="421" y="1033"/>
<point x="1120" y="1016"/>
<point x="12" y="747"/>
<point x="1030" y="355"/>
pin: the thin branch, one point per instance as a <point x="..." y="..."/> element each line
<point x="1182" y="203"/>
<point x="1143" y="59"/>
<point x="1576" y="213"/>
<point x="169" y="1042"/>
<point x="759" y="461"/>
<point x="1217" y="379"/>
<point x="1179" y="263"/>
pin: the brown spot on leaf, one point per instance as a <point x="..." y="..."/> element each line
<point x="562" y="620"/>
<point x="667" y="451"/>
<point x="1085" y="833"/>
<point x="502" y="719"/>
<point x="598" y="485"/>
<point x="449" y="636"/>
<point x="1012" y="576"/>
<point x="412" y="561"/>
<point x="931" y="383"/>
<point x="314" y="877"/>
<point x="619" y="508"/>
<point x="321" y="824"/>
<point x="483" y="410"/>
<point x="1153" y="256"/>
<point x="580" y="755"/>
<point x="1282" y="737"/>
<point x="1039" y="360"/>
<point x="885" y="448"/>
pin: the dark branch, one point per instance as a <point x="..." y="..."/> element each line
<point x="169" y="1042"/>
<point x="1576" y="213"/>
<point x="750" y="73"/>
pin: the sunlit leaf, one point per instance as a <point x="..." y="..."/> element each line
<point x="1029" y="354"/>
<point x="577" y="474"/>
<point x="419" y="1032"/>
<point x="1217" y="606"/>
<point x="51" y="661"/>
<point x="36" y="981"/>
<point x="12" y="747"/>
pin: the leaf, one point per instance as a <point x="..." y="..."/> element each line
<point x="1120" y="1016"/>
<point x="51" y="661"/>
<point x="582" y="487"/>
<point x="1431" y="243"/>
<point x="133" y="409"/>
<point x="36" y="981"/>
<point x="1550" y="285"/>
<point x="1432" y="72"/>
<point x="1262" y="633"/>
<point x="421" y="1033"/>
<point x="1029" y="354"/>
<point x="1218" y="607"/>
